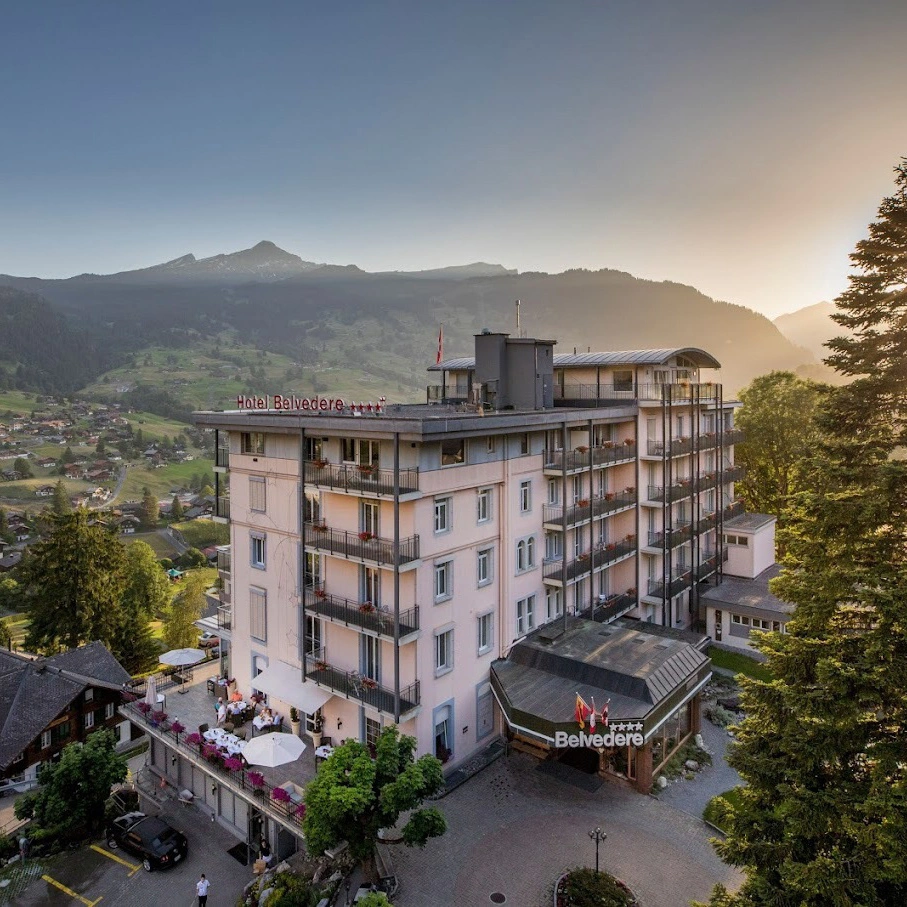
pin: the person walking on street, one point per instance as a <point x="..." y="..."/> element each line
<point x="201" y="887"/>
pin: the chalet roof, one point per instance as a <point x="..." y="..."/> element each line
<point x="33" y="692"/>
<point x="697" y="356"/>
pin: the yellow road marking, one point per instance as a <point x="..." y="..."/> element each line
<point x="69" y="891"/>
<point x="134" y="867"/>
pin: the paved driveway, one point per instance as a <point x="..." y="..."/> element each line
<point x="91" y="875"/>
<point x="513" y="830"/>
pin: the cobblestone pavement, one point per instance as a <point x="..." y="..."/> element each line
<point x="513" y="830"/>
<point x="92" y="875"/>
<point x="692" y="796"/>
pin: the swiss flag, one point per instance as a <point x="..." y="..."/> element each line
<point x="582" y="712"/>
<point x="440" y="345"/>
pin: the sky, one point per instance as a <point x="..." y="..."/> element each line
<point x="740" y="147"/>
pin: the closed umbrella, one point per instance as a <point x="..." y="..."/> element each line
<point x="151" y="693"/>
<point x="271" y="750"/>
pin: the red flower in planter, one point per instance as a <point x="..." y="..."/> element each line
<point x="256" y="779"/>
<point x="177" y="727"/>
<point x="233" y="763"/>
<point x="194" y="739"/>
<point x="366" y="536"/>
<point x="281" y="795"/>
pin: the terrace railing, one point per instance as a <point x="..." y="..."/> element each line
<point x="613" y="607"/>
<point x="599" y="506"/>
<point x="361" y="545"/>
<point x="598" y="557"/>
<point x="377" y="619"/>
<point x="353" y="478"/>
<point x="603" y="455"/>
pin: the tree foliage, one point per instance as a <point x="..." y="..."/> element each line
<point x="73" y="790"/>
<point x="150" y="508"/>
<point x="180" y="615"/>
<point x="146" y="595"/>
<point x="23" y="468"/>
<point x="61" y="505"/>
<point x="353" y="796"/>
<point x="176" y="508"/>
<point x="823" y="818"/>
<point x="74" y="581"/>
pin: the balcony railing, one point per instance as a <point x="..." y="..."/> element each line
<point x="205" y="757"/>
<point x="599" y="506"/>
<point x="604" y="455"/>
<point x="735" y="508"/>
<point x="709" y="563"/>
<point x="733" y="436"/>
<point x="447" y="393"/>
<point x="734" y="473"/>
<point x="224" y="561"/>
<point x="361" y="546"/>
<point x="221" y="456"/>
<point x="672" y="493"/>
<point x="600" y="556"/>
<point x="676" y="448"/>
<point x="613" y="607"/>
<point x="361" y="615"/>
<point x="681" y="532"/>
<point x="675" y="393"/>
<point x="682" y="580"/>
<point x="222" y="508"/>
<point x="354" y="685"/>
<point x="224" y="617"/>
<point x="352" y="478"/>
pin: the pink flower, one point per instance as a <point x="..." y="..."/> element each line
<point x="177" y="727"/>
<point x="256" y="779"/>
<point x="194" y="739"/>
<point x="281" y="795"/>
<point x="233" y="763"/>
<point x="300" y="811"/>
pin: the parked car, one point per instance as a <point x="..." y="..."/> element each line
<point x="152" y="840"/>
<point x="208" y="640"/>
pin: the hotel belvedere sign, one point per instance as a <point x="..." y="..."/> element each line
<point x="316" y="404"/>
<point x="616" y="735"/>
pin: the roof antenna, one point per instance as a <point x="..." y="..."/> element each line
<point x="519" y="330"/>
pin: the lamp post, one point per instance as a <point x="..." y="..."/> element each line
<point x="598" y="836"/>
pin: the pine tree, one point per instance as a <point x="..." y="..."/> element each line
<point x="176" y="509"/>
<point x="180" y="631"/>
<point x="74" y="582"/>
<point x="146" y="596"/>
<point x="61" y="505"/>
<point x="823" y="818"/>
<point x="150" y="508"/>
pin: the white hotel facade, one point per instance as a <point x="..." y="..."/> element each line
<point x="435" y="565"/>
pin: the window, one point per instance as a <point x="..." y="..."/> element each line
<point x="257" y="494"/>
<point x="485" y="624"/>
<point x="524" y="444"/>
<point x="525" y="554"/>
<point x="526" y="496"/>
<point x="252" y="442"/>
<point x="553" y="549"/>
<point x="313" y="449"/>
<point x="369" y="512"/>
<point x="89" y="694"/>
<point x="623" y="380"/>
<point x="313" y="635"/>
<point x="553" y="606"/>
<point x="109" y="711"/>
<point x="525" y="615"/>
<point x="483" y="505"/>
<point x="45" y="739"/>
<point x="443" y="721"/>
<point x="60" y="732"/>
<point x="554" y="487"/>
<point x="257" y="540"/>
<point x="741" y="541"/>
<point x="443" y="580"/>
<point x="370" y="584"/>
<point x="372" y="732"/>
<point x="312" y="569"/>
<point x="484" y="566"/>
<point x="258" y="614"/>
<point x="453" y="452"/>
<point x="89" y="720"/>
<point x="370" y="656"/>
<point x="443" y="652"/>
<point x="348" y="450"/>
<point x="490" y="444"/>
<point x="443" y="508"/>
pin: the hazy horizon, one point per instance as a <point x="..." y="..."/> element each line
<point x="736" y="148"/>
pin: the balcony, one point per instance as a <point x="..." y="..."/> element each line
<point x="614" y="606"/>
<point x="735" y="508"/>
<point x="709" y="564"/>
<point x="224" y="617"/>
<point x="671" y="537"/>
<point x="676" y="448"/>
<point x="732" y="436"/>
<point x="734" y="473"/>
<point x="359" y="615"/>
<point x="224" y="560"/>
<point x="222" y="509"/>
<point x="354" y="686"/>
<point x="360" y="546"/>
<point x="681" y="581"/>
<point x="222" y="457"/>
<point x="672" y="493"/>
<point x="604" y="455"/>
<point x="353" y="479"/>
<point x="603" y="505"/>
<point x="447" y="393"/>
<point x="599" y="557"/>
<point x="569" y="394"/>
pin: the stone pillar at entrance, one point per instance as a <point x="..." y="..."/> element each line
<point x="644" y="768"/>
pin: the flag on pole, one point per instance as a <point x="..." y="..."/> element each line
<point x="440" y="345"/>
<point x="605" y="713"/>
<point x="582" y="712"/>
<point x="592" y="716"/>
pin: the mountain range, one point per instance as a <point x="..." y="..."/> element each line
<point x="811" y="327"/>
<point x="384" y="326"/>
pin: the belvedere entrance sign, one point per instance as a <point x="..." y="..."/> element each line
<point x="618" y="735"/>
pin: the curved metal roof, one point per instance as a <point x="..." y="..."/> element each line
<point x="697" y="356"/>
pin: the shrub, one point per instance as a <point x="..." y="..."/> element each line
<point x="586" y="888"/>
<point x="719" y="715"/>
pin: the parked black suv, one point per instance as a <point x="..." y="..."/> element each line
<point x="149" y="838"/>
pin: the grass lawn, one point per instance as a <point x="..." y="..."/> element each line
<point x="18" y="402"/>
<point x="24" y="489"/>
<point x="159" y="543"/>
<point x="160" y="481"/>
<point x="739" y="663"/>
<point x="18" y="625"/>
<point x="716" y="810"/>
<point x="201" y="533"/>
<point x="153" y="426"/>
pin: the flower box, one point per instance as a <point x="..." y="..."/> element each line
<point x="319" y="464"/>
<point x="366" y="607"/>
<point x="582" y="450"/>
<point x="582" y="502"/>
<point x="369" y="684"/>
<point x="321" y="665"/>
<point x="629" y="442"/>
<point x="609" y="496"/>
<point x="256" y="779"/>
<point x="366" y="536"/>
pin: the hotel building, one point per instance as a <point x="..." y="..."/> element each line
<point x="543" y="526"/>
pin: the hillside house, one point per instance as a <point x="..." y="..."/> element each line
<point x="45" y="491"/>
<point x="128" y="524"/>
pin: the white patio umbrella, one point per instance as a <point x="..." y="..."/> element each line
<point x="182" y="658"/>
<point x="151" y="693"/>
<point x="271" y="750"/>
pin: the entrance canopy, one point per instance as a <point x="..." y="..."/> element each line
<point x="284" y="682"/>
<point x="643" y="672"/>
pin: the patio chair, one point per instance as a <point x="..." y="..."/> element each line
<point x="240" y="732"/>
<point x="229" y="727"/>
<point x="202" y="728"/>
